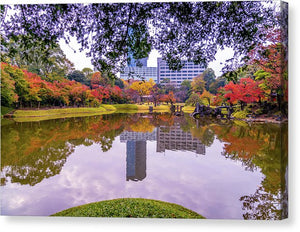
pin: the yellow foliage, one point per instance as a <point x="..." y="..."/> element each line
<point x="143" y="125"/>
<point x="198" y="84"/>
<point x="143" y="87"/>
<point x="207" y="96"/>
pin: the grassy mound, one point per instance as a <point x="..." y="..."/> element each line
<point x="130" y="207"/>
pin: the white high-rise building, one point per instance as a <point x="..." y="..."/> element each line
<point x="139" y="73"/>
<point x="188" y="72"/>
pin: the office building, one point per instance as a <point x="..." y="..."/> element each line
<point x="137" y="136"/>
<point x="136" y="153"/>
<point x="188" y="72"/>
<point x="174" y="138"/>
<point x="136" y="156"/>
<point x="139" y="73"/>
<point x="137" y="63"/>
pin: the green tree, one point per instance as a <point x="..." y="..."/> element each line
<point x="186" y="86"/>
<point x="198" y="84"/>
<point x="79" y="77"/>
<point x="47" y="61"/>
<point x="21" y="85"/>
<point x="193" y="99"/>
<point x="209" y="77"/>
<point x="120" y="83"/>
<point x="219" y="82"/>
<point x="87" y="72"/>
<point x="190" y="29"/>
<point x="8" y="95"/>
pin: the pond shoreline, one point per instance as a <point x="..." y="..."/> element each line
<point x="264" y="119"/>
<point x="29" y="114"/>
<point x="48" y="113"/>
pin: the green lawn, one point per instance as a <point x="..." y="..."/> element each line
<point x="63" y="111"/>
<point x="137" y="108"/>
<point x="130" y="207"/>
<point x="43" y="114"/>
<point x="188" y="109"/>
<point x="5" y="110"/>
<point x="46" y="114"/>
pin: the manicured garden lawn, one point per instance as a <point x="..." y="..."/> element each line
<point x="142" y="108"/>
<point x="188" y="109"/>
<point x="130" y="207"/>
<point x="46" y="114"/>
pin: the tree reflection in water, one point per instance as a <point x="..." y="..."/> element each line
<point x="263" y="147"/>
<point x="31" y="152"/>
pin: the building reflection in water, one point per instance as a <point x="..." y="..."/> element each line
<point x="136" y="153"/>
<point x="168" y="138"/>
<point x="174" y="138"/>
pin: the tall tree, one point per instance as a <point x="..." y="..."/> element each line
<point x="219" y="82"/>
<point x="47" y="61"/>
<point x="87" y="72"/>
<point x="78" y="76"/>
<point x="193" y="30"/>
<point x="246" y="91"/>
<point x="209" y="77"/>
<point x="272" y="60"/>
<point x="198" y="84"/>
<point x="119" y="83"/>
<point x="143" y="87"/>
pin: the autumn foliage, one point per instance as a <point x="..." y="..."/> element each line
<point x="247" y="91"/>
<point x="21" y="88"/>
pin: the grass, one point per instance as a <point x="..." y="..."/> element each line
<point x="126" y="107"/>
<point x="130" y="207"/>
<point x="158" y="108"/>
<point x="188" y="109"/>
<point x="5" y="122"/>
<point x="43" y="114"/>
<point x="136" y="108"/>
<point x="46" y="114"/>
<point x="5" y="110"/>
<point x="49" y="112"/>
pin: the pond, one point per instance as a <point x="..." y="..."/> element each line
<point x="217" y="168"/>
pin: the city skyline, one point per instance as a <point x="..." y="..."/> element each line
<point x="81" y="61"/>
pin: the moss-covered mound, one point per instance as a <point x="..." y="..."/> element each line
<point x="130" y="207"/>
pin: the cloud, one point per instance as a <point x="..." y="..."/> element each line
<point x="210" y="185"/>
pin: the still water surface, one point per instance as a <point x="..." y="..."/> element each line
<point x="219" y="169"/>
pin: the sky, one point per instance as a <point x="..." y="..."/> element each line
<point x="81" y="61"/>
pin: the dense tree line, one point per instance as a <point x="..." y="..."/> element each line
<point x="20" y="88"/>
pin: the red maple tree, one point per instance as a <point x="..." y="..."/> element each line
<point x="246" y="91"/>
